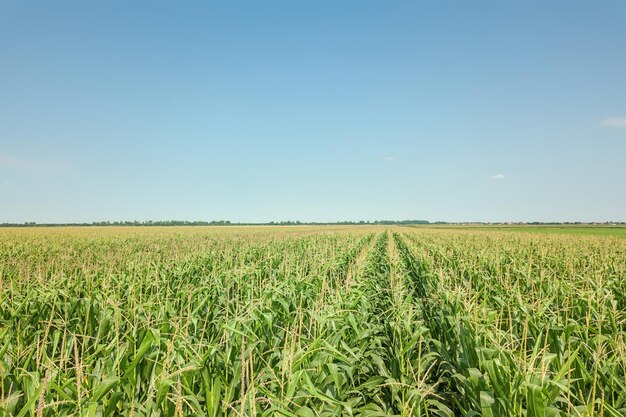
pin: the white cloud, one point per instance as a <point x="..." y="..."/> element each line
<point x="497" y="177"/>
<point x="8" y="160"/>
<point x="13" y="161"/>
<point x="389" y="158"/>
<point x="617" y="121"/>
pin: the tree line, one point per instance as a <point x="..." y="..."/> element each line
<point x="213" y="223"/>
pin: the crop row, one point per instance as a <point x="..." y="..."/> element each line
<point x="310" y="322"/>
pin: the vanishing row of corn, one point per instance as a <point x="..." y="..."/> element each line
<point x="310" y="322"/>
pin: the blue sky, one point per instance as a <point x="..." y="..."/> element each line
<point x="314" y="111"/>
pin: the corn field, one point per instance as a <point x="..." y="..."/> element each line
<point x="311" y="321"/>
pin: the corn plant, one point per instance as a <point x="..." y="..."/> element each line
<point x="310" y="321"/>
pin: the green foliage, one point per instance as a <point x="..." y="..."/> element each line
<point x="310" y="322"/>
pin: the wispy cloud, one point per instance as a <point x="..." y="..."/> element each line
<point x="389" y="158"/>
<point x="14" y="161"/>
<point x="617" y="121"/>
<point x="497" y="177"/>
<point x="8" y="160"/>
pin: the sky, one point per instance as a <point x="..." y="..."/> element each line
<point x="323" y="110"/>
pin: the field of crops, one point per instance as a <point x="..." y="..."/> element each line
<point x="311" y="321"/>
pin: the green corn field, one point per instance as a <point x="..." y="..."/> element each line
<point x="311" y="321"/>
